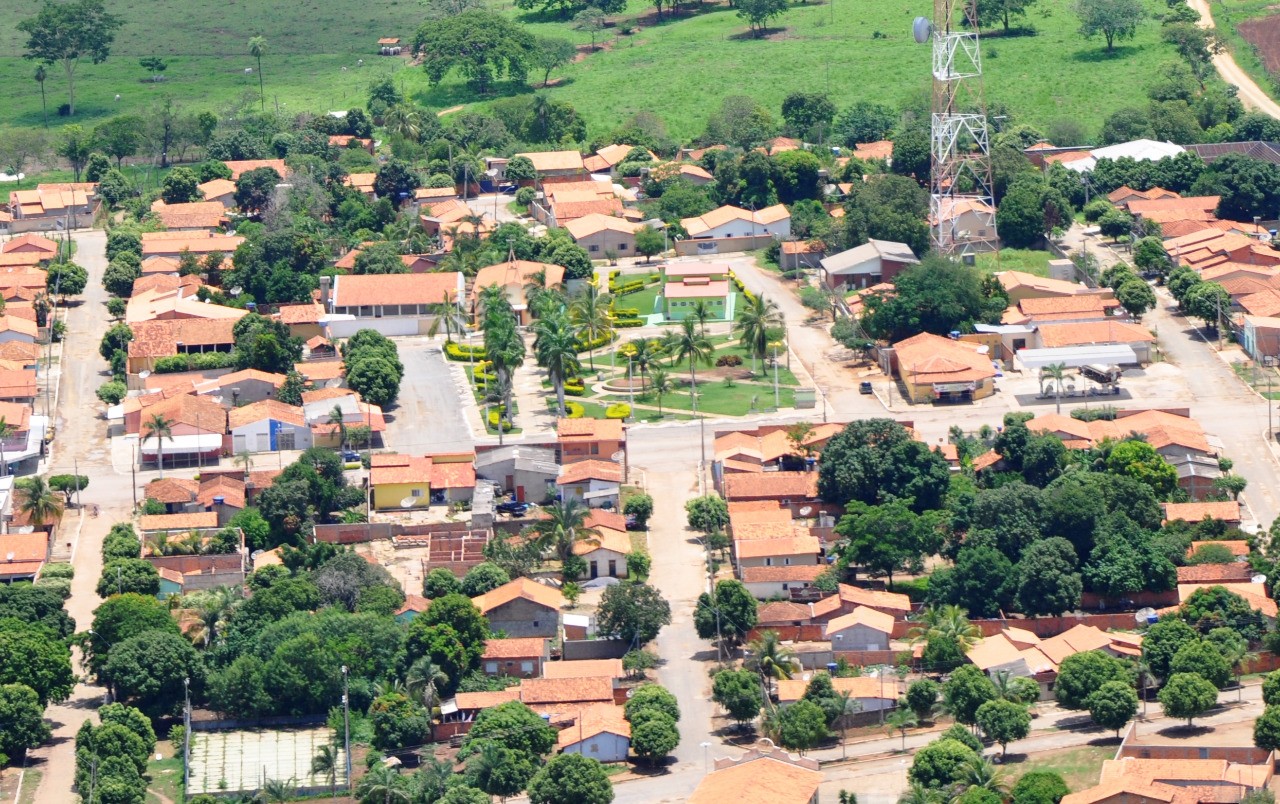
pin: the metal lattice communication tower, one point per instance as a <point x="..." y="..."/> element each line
<point x="961" y="206"/>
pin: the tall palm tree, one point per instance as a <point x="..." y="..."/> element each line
<point x="702" y="312"/>
<point x="278" y="790"/>
<point x="755" y="321"/>
<point x="1056" y="372"/>
<point x="950" y="622"/>
<point x="41" y="504"/>
<point x="40" y="76"/>
<point x="495" y="307"/>
<point x="244" y="459"/>
<point x="159" y="428"/>
<point x="258" y="46"/>
<point x="325" y="763"/>
<point x="213" y="607"/>
<point x="979" y="772"/>
<point x="431" y="781"/>
<point x="450" y="315"/>
<point x="660" y="384"/>
<point x="424" y="679"/>
<point x="900" y="720"/>
<point x="919" y="794"/>
<point x="385" y="785"/>
<point x="157" y="543"/>
<point x="564" y="526"/>
<point x="643" y="351"/>
<point x="337" y="419"/>
<point x="590" y="313"/>
<point x="505" y="349"/>
<point x="770" y="658"/>
<point x="403" y="120"/>
<point x="690" y="344"/>
<point x="556" y="349"/>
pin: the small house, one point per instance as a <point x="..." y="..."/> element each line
<point x="606" y="554"/>
<point x="587" y="439"/>
<point x="594" y="482"/>
<point x="861" y="629"/>
<point x="522" y="608"/>
<point x="869" y="264"/>
<point x="268" y="426"/>
<point x="599" y="731"/>
<point x="519" y="657"/>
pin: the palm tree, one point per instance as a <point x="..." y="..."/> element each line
<point x="755" y="320"/>
<point x="556" y="348"/>
<point x="431" y="781"/>
<point x="424" y="679"/>
<point x="901" y="719"/>
<point x="159" y="428"/>
<point x="325" y="763"/>
<point x="949" y="622"/>
<point x="41" y="75"/>
<point x="1056" y="372"/>
<point x="590" y="314"/>
<point x="690" y="344"/>
<point x="385" y="785"/>
<point x="337" y="419"/>
<point x="660" y="384"/>
<point x="770" y="658"/>
<point x="643" y="351"/>
<point x="979" y="772"/>
<point x="244" y="459"/>
<point x="258" y="46"/>
<point x="278" y="790"/>
<point x="157" y="543"/>
<point x="919" y="794"/>
<point x="702" y="312"/>
<point x="403" y="120"/>
<point x="565" y="525"/>
<point x="450" y="315"/>
<point x="213" y="607"/>
<point x="495" y="307"/>
<point x="38" y="502"/>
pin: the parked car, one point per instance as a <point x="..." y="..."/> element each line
<point x="513" y="508"/>
<point x="349" y="456"/>
<point x="632" y="524"/>
<point x="864" y="387"/>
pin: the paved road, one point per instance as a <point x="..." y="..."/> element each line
<point x="1251" y="95"/>
<point x="81" y="438"/>
<point x="427" y="417"/>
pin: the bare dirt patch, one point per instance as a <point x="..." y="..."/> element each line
<point x="1264" y="35"/>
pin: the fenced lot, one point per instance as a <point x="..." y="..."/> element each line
<point x="241" y="761"/>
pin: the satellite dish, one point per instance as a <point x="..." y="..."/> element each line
<point x="408" y="502"/>
<point x="1258" y="579"/>
<point x="1143" y="616"/>
<point x="144" y="374"/>
<point x="922" y="29"/>
<point x="9" y="557"/>
<point x="805" y="511"/>
<point x="618" y="456"/>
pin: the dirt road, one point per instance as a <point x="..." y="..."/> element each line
<point x="1251" y="95"/>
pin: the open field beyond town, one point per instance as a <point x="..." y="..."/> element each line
<point x="679" y="69"/>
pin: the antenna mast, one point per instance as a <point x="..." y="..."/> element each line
<point x="961" y="207"/>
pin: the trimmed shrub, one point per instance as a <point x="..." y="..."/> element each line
<point x="728" y="360"/>
<point x="494" y="419"/>
<point x="627" y="323"/>
<point x="574" y="410"/>
<point x="463" y="352"/>
<point x="618" y="410"/>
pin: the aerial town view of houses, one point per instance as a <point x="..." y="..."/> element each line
<point x="650" y="401"/>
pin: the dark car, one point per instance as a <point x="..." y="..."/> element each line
<point x="513" y="508"/>
<point x="349" y="456"/>
<point x="864" y="387"/>
<point x="632" y="522"/>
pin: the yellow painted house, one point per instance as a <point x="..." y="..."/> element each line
<point x="412" y="481"/>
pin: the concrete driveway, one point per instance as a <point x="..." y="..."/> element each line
<point x="428" y="415"/>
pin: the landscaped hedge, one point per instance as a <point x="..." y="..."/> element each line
<point x="463" y="352"/>
<point x="737" y="283"/>
<point x="628" y="289"/>
<point x="507" y="426"/>
<point x="626" y="312"/>
<point x="574" y="410"/>
<point x="575" y="389"/>
<point x="603" y="340"/>
<point x="194" y="362"/>
<point x="627" y="323"/>
<point x="618" y="410"/>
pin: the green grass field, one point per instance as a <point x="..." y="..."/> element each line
<point x="679" y="70"/>
<point x="1016" y="259"/>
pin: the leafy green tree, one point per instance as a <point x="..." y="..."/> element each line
<point x="1114" y="19"/>
<point x="922" y="698"/>
<point x="889" y="537"/>
<point x="873" y="459"/>
<point x="1216" y="607"/>
<point x="1266" y="729"/>
<point x="255" y="187"/>
<point x="128" y="575"/>
<point x="571" y="779"/>
<point x="982" y="581"/>
<point x="148" y="671"/>
<point x="1162" y="642"/>
<point x="1003" y="722"/>
<point x="499" y="771"/>
<point x="1136" y="297"/>
<point x="119" y="137"/>
<point x="632" y="612"/>
<point x="1039" y="787"/>
<point x="802" y="725"/>
<point x="482" y="45"/>
<point x="728" y="613"/>
<point x="590" y="21"/>
<point x="548" y="53"/>
<point x="808" y="114"/>
<point x="482" y="578"/>
<point x="1050" y="584"/>
<point x="1247" y="187"/>
<point x="1113" y="704"/>
<point x="1002" y="11"/>
<point x="513" y="725"/>
<point x="652" y="697"/>
<point x="1207" y="301"/>
<point x="398" y="722"/>
<point x="33" y="656"/>
<point x="709" y="514"/>
<point x="1187" y="695"/>
<point x="963" y="736"/>
<point x="65" y="33"/>
<point x="119" y="277"/>
<point x="938" y="295"/>
<point x="22" y="713"/>
<point x="654" y="737"/>
<point x="863" y="122"/>
<point x="941" y="763"/>
<point x="1082" y="674"/>
<point x="132" y="719"/>
<point x="739" y="692"/>
<point x="964" y="691"/>
<point x="1204" y="659"/>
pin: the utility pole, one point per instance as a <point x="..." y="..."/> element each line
<point x="186" y="735"/>
<point x="133" y="476"/>
<point x="346" y="724"/>
<point x="777" y="402"/>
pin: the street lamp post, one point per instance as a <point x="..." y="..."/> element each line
<point x="346" y="724"/>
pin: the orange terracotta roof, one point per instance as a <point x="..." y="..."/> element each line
<point x="618" y="541"/>
<point x="522" y="588"/>
<point x="399" y="469"/>
<point x="1093" y="332"/>
<point x="203" y="519"/>
<point x="217" y="188"/>
<point x="195" y="215"/>
<point x="926" y="359"/>
<point x="29" y="241"/>
<point x="266" y="409"/>
<point x="1215" y="573"/>
<point x="589" y="429"/>
<point x="515" y="648"/>
<point x="783" y="612"/>
<point x="1238" y="547"/>
<point x="546" y="161"/>
<point x="789" y="546"/>
<point x="580" y="471"/>
<point x="865" y="616"/>
<point x="566" y="690"/>
<point x="300" y="313"/>
<point x="1228" y="511"/>
<point x="231" y="491"/>
<point x="320" y="370"/>
<point x="199" y="412"/>
<point x="28" y="551"/>
<point x="11" y="323"/>
<point x="584" y="668"/>
<point x="484" y="700"/>
<point x="795" y="573"/>
<point x="394" y="289"/>
<point x="172" y="490"/>
<point x="600" y="518"/>
<point x="242" y="166"/>
<point x="602" y="718"/>
<point x="772" y="485"/>
<point x="860" y="596"/>
<point x="759" y="781"/>
<point x="415" y="603"/>
<point x="1078" y="639"/>
<point x="514" y="275"/>
<point x="880" y="149"/>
